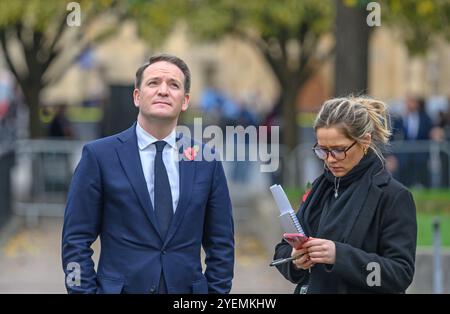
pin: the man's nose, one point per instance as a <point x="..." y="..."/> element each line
<point x="162" y="89"/>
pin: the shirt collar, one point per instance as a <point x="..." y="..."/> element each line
<point x="145" y="139"/>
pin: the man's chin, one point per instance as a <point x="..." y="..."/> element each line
<point x="161" y="115"/>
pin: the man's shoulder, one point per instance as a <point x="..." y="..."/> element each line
<point x="109" y="142"/>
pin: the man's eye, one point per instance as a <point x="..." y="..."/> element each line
<point x="175" y="85"/>
<point x="151" y="83"/>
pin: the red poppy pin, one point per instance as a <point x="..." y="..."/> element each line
<point x="307" y="191"/>
<point x="191" y="152"/>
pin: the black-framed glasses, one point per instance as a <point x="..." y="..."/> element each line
<point x="337" y="153"/>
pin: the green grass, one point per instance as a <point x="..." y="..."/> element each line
<point x="429" y="204"/>
<point x="425" y="229"/>
<point x="294" y="195"/>
<point x="434" y="201"/>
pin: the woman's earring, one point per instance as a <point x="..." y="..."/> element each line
<point x="365" y="150"/>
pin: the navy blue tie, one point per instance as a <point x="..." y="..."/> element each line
<point x="163" y="196"/>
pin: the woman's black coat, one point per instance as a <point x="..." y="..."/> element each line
<point x="385" y="232"/>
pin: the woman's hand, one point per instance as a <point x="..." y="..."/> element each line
<point x="303" y="261"/>
<point x="320" y="251"/>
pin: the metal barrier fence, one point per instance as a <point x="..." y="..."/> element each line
<point x="437" y="258"/>
<point x="44" y="169"/>
<point x="436" y="157"/>
<point x="42" y="175"/>
<point x="301" y="166"/>
<point x="6" y="162"/>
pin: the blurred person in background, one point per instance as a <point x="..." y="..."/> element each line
<point x="60" y="126"/>
<point x="274" y="119"/>
<point x="242" y="164"/>
<point x="441" y="133"/>
<point x="152" y="210"/>
<point x="219" y="107"/>
<point x="356" y="214"/>
<point x="414" y="125"/>
<point x="7" y="104"/>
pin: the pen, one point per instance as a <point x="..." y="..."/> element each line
<point x="283" y="260"/>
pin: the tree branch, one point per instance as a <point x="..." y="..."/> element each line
<point x="283" y="42"/>
<point x="53" y="52"/>
<point x="21" y="80"/>
<point x="8" y="59"/>
<point x="63" y="69"/>
<point x="29" y="54"/>
<point x="277" y="67"/>
<point x="263" y="47"/>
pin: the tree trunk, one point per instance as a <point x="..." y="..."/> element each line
<point x="32" y="99"/>
<point x="352" y="44"/>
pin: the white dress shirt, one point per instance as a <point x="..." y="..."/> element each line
<point x="147" y="152"/>
<point x="412" y="125"/>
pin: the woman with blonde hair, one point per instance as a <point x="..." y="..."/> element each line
<point x="361" y="221"/>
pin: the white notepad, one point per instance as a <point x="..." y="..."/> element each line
<point x="288" y="219"/>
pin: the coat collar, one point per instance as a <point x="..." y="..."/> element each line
<point x="382" y="178"/>
<point x="145" y="139"/>
<point x="361" y="219"/>
<point x="130" y="160"/>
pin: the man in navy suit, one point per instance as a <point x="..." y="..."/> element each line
<point x="415" y="125"/>
<point x="152" y="211"/>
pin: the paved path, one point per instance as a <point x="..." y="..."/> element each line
<point x="30" y="262"/>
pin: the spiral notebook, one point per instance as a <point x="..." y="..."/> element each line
<point x="288" y="219"/>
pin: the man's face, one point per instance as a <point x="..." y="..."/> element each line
<point x="411" y="104"/>
<point x="161" y="94"/>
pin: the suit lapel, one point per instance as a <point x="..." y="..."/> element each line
<point x="131" y="162"/>
<point x="187" y="175"/>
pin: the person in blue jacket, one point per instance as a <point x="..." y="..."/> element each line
<point x="152" y="210"/>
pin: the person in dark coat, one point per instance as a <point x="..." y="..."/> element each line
<point x="415" y="125"/>
<point x="361" y="221"/>
<point x="60" y="126"/>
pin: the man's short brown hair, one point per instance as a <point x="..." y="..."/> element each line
<point x="167" y="58"/>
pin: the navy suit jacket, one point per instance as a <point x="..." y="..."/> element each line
<point x="400" y="130"/>
<point x="108" y="197"/>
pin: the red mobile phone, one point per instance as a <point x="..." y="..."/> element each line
<point x="296" y="240"/>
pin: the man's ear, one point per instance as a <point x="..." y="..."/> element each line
<point x="136" y="97"/>
<point x="185" y="104"/>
